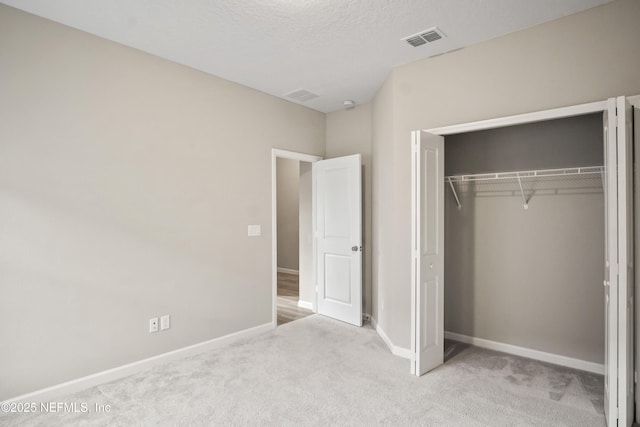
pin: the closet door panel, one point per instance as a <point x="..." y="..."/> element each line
<point x="610" y="276"/>
<point x="625" y="261"/>
<point x="428" y="252"/>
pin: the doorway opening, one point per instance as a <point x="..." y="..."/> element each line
<point x="329" y="235"/>
<point x="524" y="248"/>
<point x="293" y="194"/>
<point x="292" y="225"/>
<point x="524" y="238"/>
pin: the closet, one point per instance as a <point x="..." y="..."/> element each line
<point x="524" y="237"/>
<point x="537" y="234"/>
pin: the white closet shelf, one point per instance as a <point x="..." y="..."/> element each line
<point x="524" y="176"/>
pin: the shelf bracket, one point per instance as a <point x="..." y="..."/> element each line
<point x="454" y="193"/>
<point x="525" y="204"/>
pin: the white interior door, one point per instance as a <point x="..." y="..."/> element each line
<point x="428" y="251"/>
<point x="338" y="207"/>
<point x="619" y="270"/>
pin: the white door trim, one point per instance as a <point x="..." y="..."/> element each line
<point x="275" y="153"/>
<point x="536" y="116"/>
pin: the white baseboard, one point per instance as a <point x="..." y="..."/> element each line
<point x="398" y="351"/>
<point x="46" y="394"/>
<point x="305" y="304"/>
<point x="288" y="271"/>
<point x="374" y="323"/>
<point x="556" y="359"/>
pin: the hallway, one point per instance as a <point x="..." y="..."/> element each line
<point x="288" y="294"/>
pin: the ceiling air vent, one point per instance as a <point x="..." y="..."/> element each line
<point x="416" y="41"/>
<point x="301" y="95"/>
<point x="423" y="37"/>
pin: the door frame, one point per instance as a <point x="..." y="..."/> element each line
<point x="292" y="155"/>
<point x="519" y="119"/>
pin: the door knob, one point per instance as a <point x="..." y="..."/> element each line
<point x="354" y="248"/>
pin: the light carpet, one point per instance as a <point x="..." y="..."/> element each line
<point x="321" y="372"/>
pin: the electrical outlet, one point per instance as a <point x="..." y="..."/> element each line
<point x="153" y="324"/>
<point x="165" y="322"/>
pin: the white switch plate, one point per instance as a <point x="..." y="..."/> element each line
<point x="254" y="230"/>
<point x="153" y="324"/>
<point x="165" y="322"/>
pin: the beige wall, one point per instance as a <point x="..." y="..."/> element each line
<point x="383" y="283"/>
<point x="349" y="132"/>
<point x="561" y="63"/>
<point x="531" y="278"/>
<point x="126" y="186"/>
<point x="288" y="195"/>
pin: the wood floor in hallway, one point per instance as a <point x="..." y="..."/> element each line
<point x="288" y="295"/>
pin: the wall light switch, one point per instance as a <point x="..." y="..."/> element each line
<point x="254" y="230"/>
<point x="165" y="322"/>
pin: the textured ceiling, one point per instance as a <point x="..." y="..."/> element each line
<point x="338" y="49"/>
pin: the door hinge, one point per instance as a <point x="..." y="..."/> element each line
<point x="635" y="377"/>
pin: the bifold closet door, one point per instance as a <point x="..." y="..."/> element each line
<point x="624" y="126"/>
<point x="428" y="251"/>
<point x="626" y="261"/>
<point x="619" y="271"/>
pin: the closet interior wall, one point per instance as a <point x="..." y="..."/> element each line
<point x="527" y="277"/>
